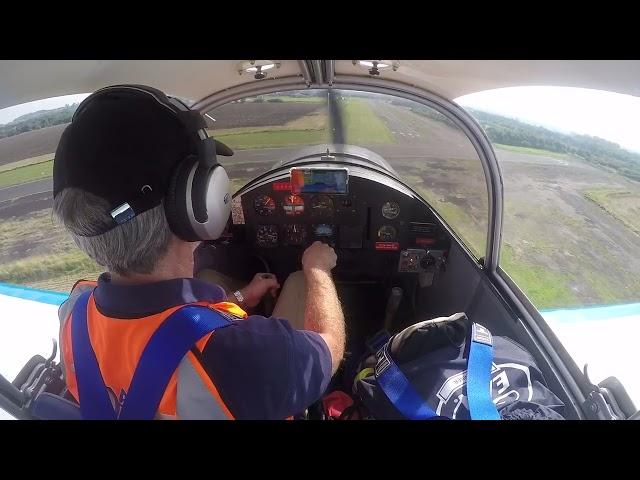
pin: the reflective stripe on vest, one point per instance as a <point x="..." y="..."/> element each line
<point x="406" y="399"/>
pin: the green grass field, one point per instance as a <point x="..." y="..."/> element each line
<point x="619" y="203"/>
<point x="290" y="99"/>
<point x="26" y="162"/>
<point x="51" y="270"/>
<point x="272" y="138"/>
<point x="362" y="125"/>
<point x="459" y="220"/>
<point x="307" y="130"/>
<point x="548" y="289"/>
<point x="542" y="286"/>
<point x="27" y="173"/>
<point x="37" y="252"/>
<point x="531" y="151"/>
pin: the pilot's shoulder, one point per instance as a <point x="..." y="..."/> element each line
<point x="78" y="289"/>
<point x="256" y="332"/>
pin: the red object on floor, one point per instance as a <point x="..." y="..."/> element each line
<point x="335" y="403"/>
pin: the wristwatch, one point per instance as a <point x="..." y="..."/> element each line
<point x="238" y="296"/>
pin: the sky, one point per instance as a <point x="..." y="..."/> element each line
<point x="612" y="116"/>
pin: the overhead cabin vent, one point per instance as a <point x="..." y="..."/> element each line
<point x="257" y="68"/>
<point x="375" y="66"/>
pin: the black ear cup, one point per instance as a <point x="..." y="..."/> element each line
<point x="175" y="203"/>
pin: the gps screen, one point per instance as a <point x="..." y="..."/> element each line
<point x="320" y="180"/>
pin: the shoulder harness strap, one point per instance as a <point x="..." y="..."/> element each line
<point x="160" y="358"/>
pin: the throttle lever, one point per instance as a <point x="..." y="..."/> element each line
<point x="392" y="307"/>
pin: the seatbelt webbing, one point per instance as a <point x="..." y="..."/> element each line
<point x="481" y="406"/>
<point x="398" y="389"/>
<point x="160" y="358"/>
<point x="92" y="392"/>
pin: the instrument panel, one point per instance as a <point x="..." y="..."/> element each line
<point x="369" y="226"/>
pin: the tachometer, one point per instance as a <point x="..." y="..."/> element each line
<point x="386" y="233"/>
<point x="390" y="210"/>
<point x="321" y="206"/>
<point x="264" y="205"/>
<point x="295" y="234"/>
<point x="267" y="236"/>
<point x="293" y="205"/>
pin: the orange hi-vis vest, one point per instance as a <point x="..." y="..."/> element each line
<point x="118" y="345"/>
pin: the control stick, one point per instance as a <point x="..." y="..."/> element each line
<point x="392" y="307"/>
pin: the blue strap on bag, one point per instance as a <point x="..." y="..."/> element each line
<point x="398" y="389"/>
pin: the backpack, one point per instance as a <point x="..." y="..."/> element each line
<point x="440" y="370"/>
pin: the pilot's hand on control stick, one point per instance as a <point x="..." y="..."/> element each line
<point x="319" y="256"/>
<point x="258" y="288"/>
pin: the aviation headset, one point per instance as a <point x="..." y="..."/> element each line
<point x="197" y="201"/>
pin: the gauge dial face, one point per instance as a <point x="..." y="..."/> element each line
<point x="293" y="205"/>
<point x="323" y="230"/>
<point x="267" y="236"/>
<point x="321" y="206"/>
<point x="264" y="205"/>
<point x="390" y="210"/>
<point x="295" y="234"/>
<point x="386" y="233"/>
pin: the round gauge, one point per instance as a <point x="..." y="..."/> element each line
<point x="267" y="236"/>
<point x="321" y="206"/>
<point x="386" y="233"/>
<point x="293" y="205"/>
<point x="390" y="210"/>
<point x="264" y="205"/>
<point x="294" y="234"/>
<point x="323" y="230"/>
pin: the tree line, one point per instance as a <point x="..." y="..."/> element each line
<point x="594" y="150"/>
<point x="509" y="131"/>
<point x="37" y="120"/>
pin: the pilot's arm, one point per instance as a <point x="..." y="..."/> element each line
<point x="266" y="369"/>
<point x="323" y="313"/>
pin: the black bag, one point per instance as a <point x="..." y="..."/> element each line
<point x="433" y="357"/>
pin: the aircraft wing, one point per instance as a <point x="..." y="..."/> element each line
<point x="603" y="338"/>
<point x="28" y="324"/>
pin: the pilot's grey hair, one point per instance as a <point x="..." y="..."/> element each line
<point x="133" y="247"/>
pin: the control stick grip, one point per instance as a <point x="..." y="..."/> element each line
<point x="392" y="307"/>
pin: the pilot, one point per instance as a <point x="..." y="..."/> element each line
<point x="115" y="174"/>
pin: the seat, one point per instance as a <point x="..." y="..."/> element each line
<point x="48" y="406"/>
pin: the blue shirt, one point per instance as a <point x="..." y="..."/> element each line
<point x="262" y="367"/>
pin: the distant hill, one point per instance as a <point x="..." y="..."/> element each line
<point x="37" y="120"/>
<point x="594" y="150"/>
